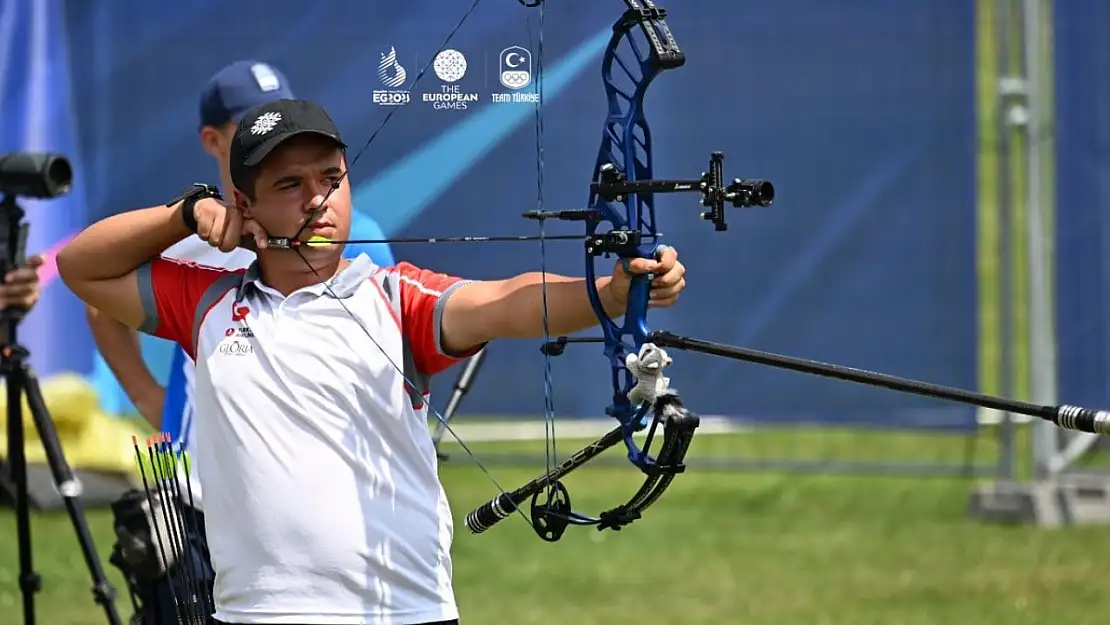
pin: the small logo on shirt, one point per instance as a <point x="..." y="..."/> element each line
<point x="245" y="333"/>
<point x="239" y="313"/>
<point x="235" y="347"/>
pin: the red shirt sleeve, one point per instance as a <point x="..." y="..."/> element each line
<point x="423" y="295"/>
<point x="172" y="290"/>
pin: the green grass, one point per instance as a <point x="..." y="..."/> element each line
<point x="720" y="548"/>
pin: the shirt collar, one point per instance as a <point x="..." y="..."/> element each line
<point x="342" y="285"/>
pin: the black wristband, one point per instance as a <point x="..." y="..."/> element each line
<point x="189" y="215"/>
<point x="189" y="200"/>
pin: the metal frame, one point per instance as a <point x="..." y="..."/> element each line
<point x="1058" y="493"/>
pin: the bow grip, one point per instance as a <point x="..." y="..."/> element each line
<point x="491" y="513"/>
<point x="635" y="316"/>
<point x="639" y="295"/>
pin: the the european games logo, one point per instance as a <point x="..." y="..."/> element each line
<point x="393" y="75"/>
<point x="516" y="68"/>
<point x="449" y="66"/>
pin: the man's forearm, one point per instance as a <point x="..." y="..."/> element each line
<point x="568" y="305"/>
<point x="115" y="246"/>
<point x="119" y="345"/>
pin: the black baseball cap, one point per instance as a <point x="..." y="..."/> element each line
<point x="239" y="87"/>
<point x="267" y="126"/>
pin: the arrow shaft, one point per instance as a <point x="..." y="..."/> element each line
<point x="497" y="239"/>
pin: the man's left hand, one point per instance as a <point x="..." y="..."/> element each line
<point x="668" y="278"/>
<point x="21" y="286"/>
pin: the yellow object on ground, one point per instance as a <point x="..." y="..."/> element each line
<point x="91" y="439"/>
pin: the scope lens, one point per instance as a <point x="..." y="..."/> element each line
<point x="59" y="175"/>
<point x="764" y="193"/>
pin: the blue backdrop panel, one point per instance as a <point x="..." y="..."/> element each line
<point x="867" y="257"/>
<point x="1082" y="40"/>
<point x="37" y="115"/>
<point x="861" y="113"/>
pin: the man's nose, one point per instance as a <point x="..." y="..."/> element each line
<point x="314" y="210"/>
<point x="314" y="203"/>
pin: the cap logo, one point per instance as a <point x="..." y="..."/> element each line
<point x="265" y="123"/>
<point x="265" y="77"/>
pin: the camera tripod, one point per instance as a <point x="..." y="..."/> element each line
<point x="22" y="383"/>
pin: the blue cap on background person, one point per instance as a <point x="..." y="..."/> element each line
<point x="239" y="87"/>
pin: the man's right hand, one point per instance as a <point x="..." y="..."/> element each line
<point x="224" y="227"/>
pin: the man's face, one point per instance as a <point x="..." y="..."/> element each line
<point x="292" y="181"/>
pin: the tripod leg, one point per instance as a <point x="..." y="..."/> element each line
<point x="29" y="581"/>
<point x="462" y="386"/>
<point x="68" y="486"/>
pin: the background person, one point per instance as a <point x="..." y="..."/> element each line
<point x="21" y="286"/>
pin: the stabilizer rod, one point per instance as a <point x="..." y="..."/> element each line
<point x="1065" y="416"/>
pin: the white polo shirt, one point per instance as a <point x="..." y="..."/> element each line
<point x="322" y="495"/>
<point x="177" y="416"/>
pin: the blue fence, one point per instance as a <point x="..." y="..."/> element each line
<point x="861" y="113"/>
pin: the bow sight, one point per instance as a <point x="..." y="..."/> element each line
<point x="613" y="185"/>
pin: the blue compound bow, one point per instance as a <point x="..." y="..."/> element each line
<point x="620" y="222"/>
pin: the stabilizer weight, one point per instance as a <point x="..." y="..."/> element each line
<point x="491" y="513"/>
<point x="1083" y="419"/>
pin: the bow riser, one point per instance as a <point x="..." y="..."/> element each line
<point x="625" y="153"/>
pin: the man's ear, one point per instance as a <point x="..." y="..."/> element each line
<point x="242" y="203"/>
<point x="210" y="141"/>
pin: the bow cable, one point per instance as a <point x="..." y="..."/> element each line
<point x="550" y="451"/>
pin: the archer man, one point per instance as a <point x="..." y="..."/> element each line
<point x="323" y="502"/>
